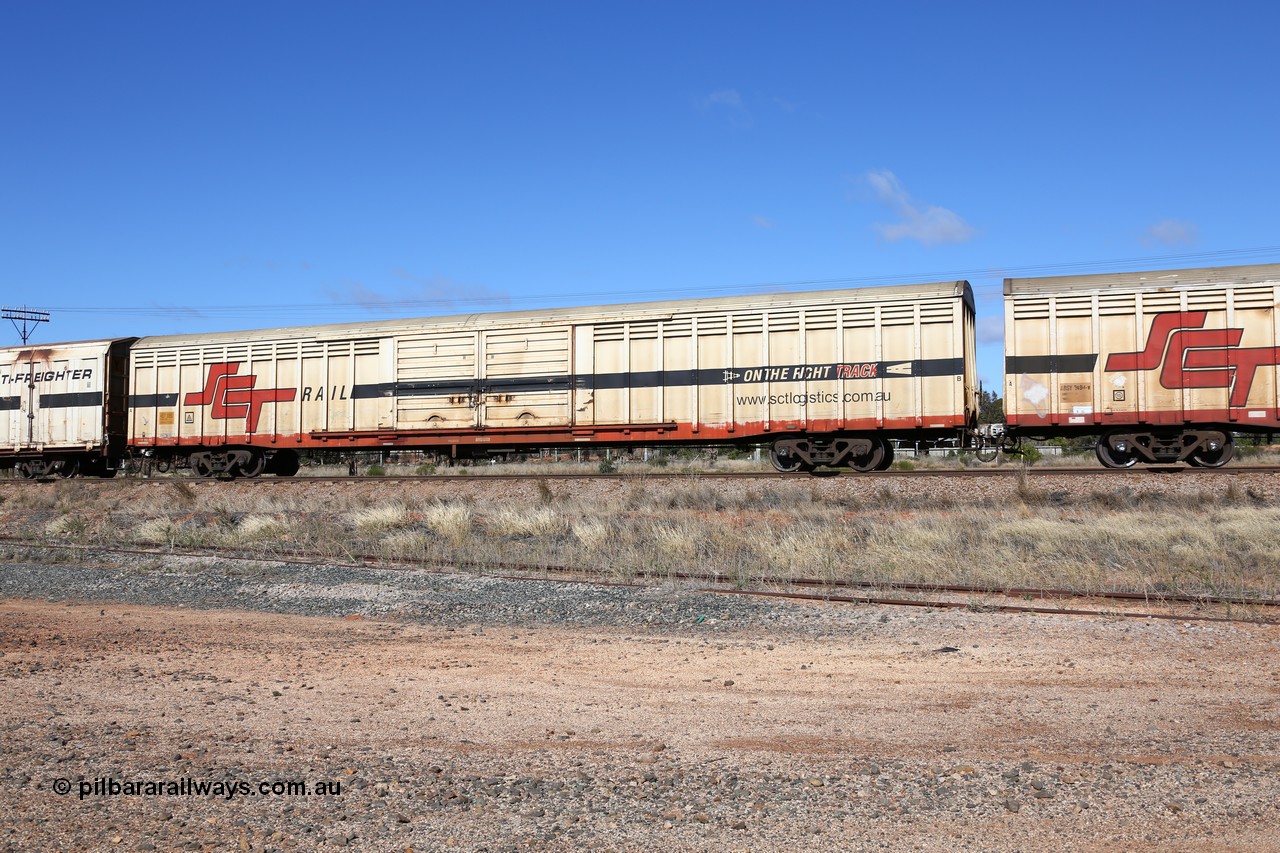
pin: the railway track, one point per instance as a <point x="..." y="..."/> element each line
<point x="960" y="473"/>
<point x="1010" y="600"/>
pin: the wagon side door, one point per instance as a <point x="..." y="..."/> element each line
<point x="435" y="380"/>
<point x="525" y="378"/>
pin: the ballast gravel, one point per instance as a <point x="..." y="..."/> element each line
<point x="177" y="699"/>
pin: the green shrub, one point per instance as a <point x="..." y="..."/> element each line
<point x="375" y="471"/>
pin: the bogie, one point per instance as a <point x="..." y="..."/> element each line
<point x="1200" y="448"/>
<point x="862" y="454"/>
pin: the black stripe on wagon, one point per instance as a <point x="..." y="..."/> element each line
<point x="853" y="371"/>
<point x="373" y="391"/>
<point x="846" y="371"/>
<point x="146" y="401"/>
<point x="1083" y="363"/>
<point x="459" y="387"/>
<point x="442" y="388"/>
<point x="76" y="398"/>
<point x="525" y="384"/>
<point x="926" y="367"/>
<point x="652" y="379"/>
<point x="9" y="404"/>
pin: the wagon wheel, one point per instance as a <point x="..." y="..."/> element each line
<point x="285" y="463"/>
<point x="1212" y="458"/>
<point x="1112" y="458"/>
<point x="887" y="461"/>
<point x="872" y="461"/>
<point x="785" y="460"/>
<point x="67" y="468"/>
<point x="201" y="466"/>
<point x="162" y="465"/>
<point x="25" y="470"/>
<point x="256" y="464"/>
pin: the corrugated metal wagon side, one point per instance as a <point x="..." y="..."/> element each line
<point x="246" y="403"/>
<point x="1163" y="365"/>
<point x="63" y="408"/>
<point x="829" y="377"/>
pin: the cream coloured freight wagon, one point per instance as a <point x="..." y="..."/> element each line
<point x="824" y="377"/>
<point x="63" y="407"/>
<point x="1164" y="365"/>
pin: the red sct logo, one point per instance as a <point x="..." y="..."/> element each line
<point x="234" y="396"/>
<point x="1194" y="357"/>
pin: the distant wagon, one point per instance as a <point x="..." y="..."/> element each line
<point x="63" y="408"/>
<point x="1163" y="366"/>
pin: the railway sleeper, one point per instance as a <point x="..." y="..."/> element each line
<point x="1208" y="448"/>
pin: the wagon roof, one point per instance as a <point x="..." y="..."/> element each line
<point x="1150" y="280"/>
<point x="593" y="313"/>
<point x="101" y="346"/>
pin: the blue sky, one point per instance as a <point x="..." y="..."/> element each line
<point x="183" y="167"/>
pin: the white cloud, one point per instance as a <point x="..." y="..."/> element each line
<point x="446" y="291"/>
<point x="990" y="330"/>
<point x="424" y="293"/>
<point x="1171" y="232"/>
<point x="725" y="97"/>
<point x="729" y="104"/>
<point x="762" y="222"/>
<point x="358" y="293"/>
<point x="926" y="223"/>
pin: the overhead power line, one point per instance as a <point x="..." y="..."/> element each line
<point x="298" y="310"/>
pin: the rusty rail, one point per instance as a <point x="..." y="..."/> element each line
<point x="562" y="574"/>
<point x="964" y="473"/>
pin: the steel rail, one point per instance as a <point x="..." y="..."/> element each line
<point x="307" y="557"/>
<point x="301" y="557"/>
<point x="452" y="566"/>
<point x="1001" y="608"/>
<point x="1105" y="473"/>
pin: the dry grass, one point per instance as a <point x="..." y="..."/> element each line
<point x="514" y="522"/>
<point x="1109" y="540"/>
<point x="451" y="522"/>
<point x="380" y="517"/>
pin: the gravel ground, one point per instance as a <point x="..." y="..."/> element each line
<point x="470" y="713"/>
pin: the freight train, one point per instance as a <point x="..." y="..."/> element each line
<point x="1163" y="366"/>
